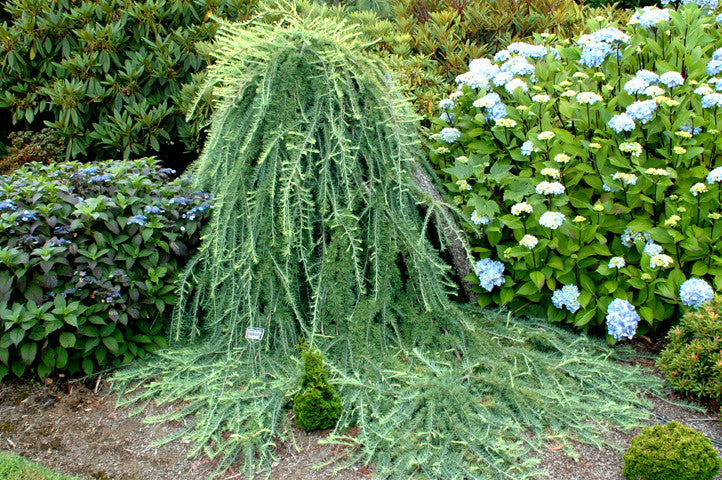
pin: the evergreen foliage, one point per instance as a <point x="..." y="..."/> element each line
<point x="319" y="232"/>
<point x="671" y="452"/>
<point x="316" y="406"/>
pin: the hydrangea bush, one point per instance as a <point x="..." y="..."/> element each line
<point x="591" y="170"/>
<point x="87" y="257"/>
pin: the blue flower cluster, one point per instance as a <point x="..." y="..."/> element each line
<point x="152" y="210"/>
<point x="490" y="273"/>
<point x="58" y="242"/>
<point x="27" y="216"/>
<point x="642" y="110"/>
<point x="449" y="135"/>
<point x="137" y="220"/>
<point x="711" y="4"/>
<point x="594" y="54"/>
<point x="8" y="205"/>
<point x="630" y="237"/>
<point x="99" y="179"/>
<point x="650" y="16"/>
<point x="528" y="50"/>
<point x="197" y="211"/>
<point x="712" y="100"/>
<point x="526" y="148"/>
<point x="688" y="128"/>
<point x="671" y="79"/>
<point x="447" y="117"/>
<point x="714" y="66"/>
<point x="621" y="123"/>
<point x="567" y="296"/>
<point x="179" y="201"/>
<point x="694" y="292"/>
<point x="166" y="171"/>
<point x="622" y="319"/>
<point x="519" y="66"/>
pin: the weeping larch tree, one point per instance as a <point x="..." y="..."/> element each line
<point x="323" y="229"/>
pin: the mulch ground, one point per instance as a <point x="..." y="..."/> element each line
<point x="75" y="428"/>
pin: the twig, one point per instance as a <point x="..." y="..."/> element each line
<point x="97" y="384"/>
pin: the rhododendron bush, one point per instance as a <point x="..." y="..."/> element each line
<point x="591" y="171"/>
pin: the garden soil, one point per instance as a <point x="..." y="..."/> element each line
<point x="75" y="428"/>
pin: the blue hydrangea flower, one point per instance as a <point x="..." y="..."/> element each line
<point x="528" y="50"/>
<point x="137" y="220"/>
<point x="714" y="67"/>
<point x="715" y="176"/>
<point x="642" y="110"/>
<point x="694" y="292"/>
<point x="611" y="35"/>
<point x="8" y="205"/>
<point x="27" y="216"/>
<point x="478" y="219"/>
<point x="671" y="79"/>
<point x="567" y="296"/>
<point x="621" y="123"/>
<point x="99" y="179"/>
<point x="446" y="104"/>
<point x="712" y="100"/>
<point x="502" y="56"/>
<point x="648" y="76"/>
<point x="502" y="78"/>
<point x="688" y="128"/>
<point x="152" y="210"/>
<point x="197" y="211"/>
<point x="166" y="171"/>
<point x="652" y="249"/>
<point x="617" y="262"/>
<point x="526" y="148"/>
<point x="718" y="19"/>
<point x="552" y="220"/>
<point x="622" y="319"/>
<point x="630" y="237"/>
<point x="497" y="112"/>
<point x="58" y="242"/>
<point x="449" y="134"/>
<point x="490" y="273"/>
<point x="594" y="54"/>
<point x="90" y="171"/>
<point x="518" y="66"/>
<point x="650" y="16"/>
<point x="179" y="201"/>
<point x="635" y="86"/>
<point x="447" y="117"/>
<point x="711" y="4"/>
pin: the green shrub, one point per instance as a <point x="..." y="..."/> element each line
<point x="44" y="147"/>
<point x="105" y="73"/>
<point x="639" y="209"/>
<point x="87" y="262"/>
<point x="692" y="360"/>
<point x="671" y="452"/>
<point x="316" y="406"/>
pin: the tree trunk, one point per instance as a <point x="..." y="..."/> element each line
<point x="457" y="245"/>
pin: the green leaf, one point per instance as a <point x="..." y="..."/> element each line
<point x="61" y="357"/>
<point x="87" y="366"/>
<point x="28" y="352"/>
<point x="67" y="340"/>
<point x="538" y="279"/>
<point x="112" y="345"/>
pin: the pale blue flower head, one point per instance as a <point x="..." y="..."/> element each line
<point x="447" y="117"/>
<point x="490" y="273"/>
<point x="714" y="67"/>
<point x="671" y="79"/>
<point x="648" y="76"/>
<point x="715" y="176"/>
<point x="611" y="35"/>
<point x="694" y="292"/>
<point x="567" y="296"/>
<point x="650" y="16"/>
<point x="526" y="148"/>
<point x="449" y="134"/>
<point x="635" y="86"/>
<point x="642" y="110"/>
<point x="446" y="104"/>
<point x="518" y="66"/>
<point x="502" y="56"/>
<point x="528" y="50"/>
<point x="621" y="123"/>
<point x="652" y="249"/>
<point x="497" y="112"/>
<point x="594" y="54"/>
<point x="502" y="78"/>
<point x="712" y="100"/>
<point x="622" y="319"/>
<point x="718" y="19"/>
<point x="711" y="4"/>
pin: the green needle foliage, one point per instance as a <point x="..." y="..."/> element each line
<point x="318" y="231"/>
<point x="316" y="406"/>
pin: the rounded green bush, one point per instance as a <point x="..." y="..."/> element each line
<point x="316" y="406"/>
<point x="671" y="452"/>
<point x="692" y="360"/>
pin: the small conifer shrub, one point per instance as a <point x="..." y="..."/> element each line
<point x="44" y="147"/>
<point x="316" y="406"/>
<point x="671" y="452"/>
<point x="692" y="361"/>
